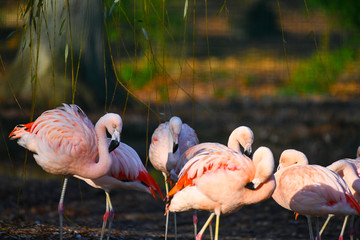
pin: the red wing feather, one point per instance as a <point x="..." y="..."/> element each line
<point x="149" y="180"/>
<point x="354" y="204"/>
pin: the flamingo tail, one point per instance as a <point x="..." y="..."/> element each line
<point x="354" y="204"/>
<point x="149" y="180"/>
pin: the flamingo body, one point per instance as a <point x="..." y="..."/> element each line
<point x="215" y="179"/>
<point x="313" y="190"/>
<point x="64" y="141"/>
<point x="127" y="171"/>
<point x="215" y="173"/>
<point x="161" y="153"/>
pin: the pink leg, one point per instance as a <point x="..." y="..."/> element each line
<point x="111" y="217"/>
<point x="61" y="207"/>
<point x="195" y="222"/>
<point x="105" y="218"/>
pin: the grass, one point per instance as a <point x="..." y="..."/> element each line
<point x="318" y="73"/>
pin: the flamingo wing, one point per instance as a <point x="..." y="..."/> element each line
<point x="314" y="190"/>
<point x="187" y="138"/>
<point x="59" y="136"/>
<point x="207" y="158"/>
<point x="127" y="166"/>
<point x="158" y="150"/>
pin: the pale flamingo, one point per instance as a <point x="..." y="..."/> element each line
<point x="311" y="190"/>
<point x="211" y="167"/>
<point x="168" y="142"/>
<point x="65" y="142"/>
<point x="242" y="136"/>
<point x="349" y="170"/>
<point x="127" y="171"/>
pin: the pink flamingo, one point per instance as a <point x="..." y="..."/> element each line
<point x="127" y="171"/>
<point x="349" y="170"/>
<point x="311" y="190"/>
<point x="168" y="142"/>
<point x="242" y="136"/>
<point x="210" y="167"/>
<point x="65" y="142"/>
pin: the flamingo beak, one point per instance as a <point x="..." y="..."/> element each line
<point x="250" y="186"/>
<point x="176" y="143"/>
<point x="115" y="141"/>
<point x="248" y="151"/>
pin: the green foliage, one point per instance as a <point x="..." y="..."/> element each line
<point x="347" y="11"/>
<point x="316" y="74"/>
<point x="137" y="77"/>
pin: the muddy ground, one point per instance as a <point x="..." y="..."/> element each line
<point x="324" y="129"/>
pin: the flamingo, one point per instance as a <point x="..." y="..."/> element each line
<point x="311" y="190"/>
<point x="168" y="142"/>
<point x="349" y="170"/>
<point x="65" y="142"/>
<point x="242" y="136"/>
<point x="127" y="171"/>
<point x="219" y="179"/>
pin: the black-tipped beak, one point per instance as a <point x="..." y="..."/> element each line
<point x="248" y="153"/>
<point x="113" y="144"/>
<point x="175" y="147"/>
<point x="250" y="186"/>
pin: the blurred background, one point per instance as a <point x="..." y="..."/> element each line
<point x="287" y="69"/>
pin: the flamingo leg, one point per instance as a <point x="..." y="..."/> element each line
<point x="352" y="229"/>
<point x="325" y="224"/>
<point x="195" y="221"/>
<point x="105" y="218"/>
<point x="199" y="235"/>
<point x="61" y="206"/>
<point x="111" y="214"/>
<point x="310" y="228"/>
<point x="217" y="227"/>
<point x="343" y="227"/>
<point x="317" y="229"/>
<point x="175" y="226"/>
<point x="167" y="215"/>
<point x="211" y="231"/>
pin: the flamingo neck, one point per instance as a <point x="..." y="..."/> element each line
<point x="263" y="192"/>
<point x="171" y="159"/>
<point x="234" y="143"/>
<point x="101" y="167"/>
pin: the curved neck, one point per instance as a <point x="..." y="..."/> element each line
<point x="263" y="192"/>
<point x="347" y="171"/>
<point x="233" y="142"/>
<point x="101" y="167"/>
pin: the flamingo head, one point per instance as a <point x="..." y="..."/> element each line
<point x="175" y="125"/>
<point x="114" y="126"/>
<point x="291" y="157"/>
<point x="246" y="139"/>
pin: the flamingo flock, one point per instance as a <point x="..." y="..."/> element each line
<point x="203" y="176"/>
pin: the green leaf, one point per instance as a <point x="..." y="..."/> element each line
<point x="33" y="78"/>
<point x="112" y="7"/>
<point x="145" y="33"/>
<point x="66" y="52"/>
<point x="186" y="8"/>
<point x="61" y="27"/>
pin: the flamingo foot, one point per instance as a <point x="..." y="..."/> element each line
<point x="199" y="236"/>
<point x="340" y="237"/>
